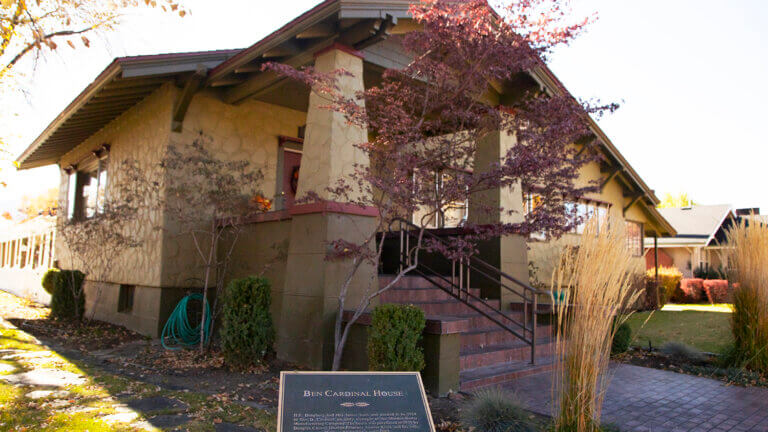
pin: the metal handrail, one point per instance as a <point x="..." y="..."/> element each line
<point x="456" y="290"/>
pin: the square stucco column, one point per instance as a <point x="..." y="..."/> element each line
<point x="312" y="283"/>
<point x="509" y="253"/>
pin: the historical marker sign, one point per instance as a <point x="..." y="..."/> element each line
<point x="353" y="402"/>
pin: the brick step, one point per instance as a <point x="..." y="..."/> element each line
<point x="410" y="295"/>
<point x="471" y="358"/>
<point x="451" y="307"/>
<point x="410" y="282"/>
<point x="473" y="379"/>
<point x="495" y="335"/>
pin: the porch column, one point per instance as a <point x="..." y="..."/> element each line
<point x="510" y="252"/>
<point x="312" y="283"/>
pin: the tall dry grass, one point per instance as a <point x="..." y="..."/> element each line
<point x="747" y="258"/>
<point x="597" y="275"/>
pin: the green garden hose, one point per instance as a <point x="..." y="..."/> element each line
<point x="177" y="330"/>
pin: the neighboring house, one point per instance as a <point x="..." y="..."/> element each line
<point x="26" y="252"/>
<point x="139" y="106"/>
<point x="698" y="243"/>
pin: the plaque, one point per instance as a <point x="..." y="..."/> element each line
<point x="353" y="402"/>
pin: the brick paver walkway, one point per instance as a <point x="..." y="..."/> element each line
<point x="652" y="400"/>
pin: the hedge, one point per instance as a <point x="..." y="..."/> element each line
<point x="247" y="331"/>
<point x="669" y="279"/>
<point x="718" y="291"/>
<point x="691" y="291"/>
<point x="393" y="338"/>
<point x="49" y="280"/>
<point x="68" y="298"/>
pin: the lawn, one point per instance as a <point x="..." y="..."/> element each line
<point x="707" y="330"/>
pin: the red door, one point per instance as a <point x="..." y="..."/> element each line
<point x="291" y="164"/>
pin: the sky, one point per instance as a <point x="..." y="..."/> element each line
<point x="690" y="76"/>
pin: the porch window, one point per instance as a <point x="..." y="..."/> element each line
<point x="449" y="215"/>
<point x="635" y="238"/>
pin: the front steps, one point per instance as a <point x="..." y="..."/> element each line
<point x="489" y="354"/>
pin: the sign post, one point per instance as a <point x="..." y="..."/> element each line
<point x="353" y="402"/>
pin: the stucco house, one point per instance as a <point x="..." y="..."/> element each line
<point x="699" y="240"/>
<point x="139" y="106"/>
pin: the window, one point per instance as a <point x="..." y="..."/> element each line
<point x="450" y="214"/>
<point x="87" y="189"/>
<point x="125" y="298"/>
<point x="635" y="238"/>
<point x="586" y="210"/>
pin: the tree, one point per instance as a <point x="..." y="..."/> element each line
<point x="676" y="201"/>
<point x="427" y="120"/>
<point x="43" y="26"/>
<point x="42" y="204"/>
<point x="94" y="244"/>
<point x="206" y="197"/>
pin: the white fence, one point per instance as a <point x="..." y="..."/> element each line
<point x="26" y="252"/>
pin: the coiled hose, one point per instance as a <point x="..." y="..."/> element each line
<point x="178" y="332"/>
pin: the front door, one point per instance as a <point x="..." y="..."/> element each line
<point x="291" y="164"/>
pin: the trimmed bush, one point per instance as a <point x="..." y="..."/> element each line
<point x="621" y="339"/>
<point x="691" y="291"/>
<point x="717" y="291"/>
<point x="49" y="280"/>
<point x="247" y="331"/>
<point x="708" y="272"/>
<point x="494" y="410"/>
<point x="68" y="298"/>
<point x="393" y="338"/>
<point x="669" y="280"/>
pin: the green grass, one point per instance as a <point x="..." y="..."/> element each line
<point x="707" y="331"/>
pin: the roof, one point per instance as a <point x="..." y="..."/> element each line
<point x="238" y="73"/>
<point x="123" y="84"/>
<point x="696" y="225"/>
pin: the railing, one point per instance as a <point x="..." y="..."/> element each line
<point x="457" y="285"/>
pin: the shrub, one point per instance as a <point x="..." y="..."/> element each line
<point x="393" y="338"/>
<point x="68" y="298"/>
<point x="494" y="410"/>
<point x="717" y="291"/>
<point x="691" y="291"/>
<point x="48" y="282"/>
<point x="247" y="331"/>
<point x="707" y="272"/>
<point x="681" y="351"/>
<point x="747" y="256"/>
<point x="622" y="336"/>
<point x="669" y="280"/>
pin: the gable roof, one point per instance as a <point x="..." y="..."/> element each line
<point x="696" y="225"/>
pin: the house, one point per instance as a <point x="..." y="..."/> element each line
<point x="699" y="240"/>
<point x="139" y="106"/>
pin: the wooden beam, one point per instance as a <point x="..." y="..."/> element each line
<point x="610" y="177"/>
<point x="229" y="81"/>
<point x="249" y="68"/>
<point x="361" y="31"/>
<point x="182" y="105"/>
<point x="261" y="81"/>
<point x="286" y="49"/>
<point x="322" y="30"/>
<point x="632" y="202"/>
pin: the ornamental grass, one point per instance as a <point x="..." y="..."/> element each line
<point x="597" y="277"/>
<point x="747" y="258"/>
